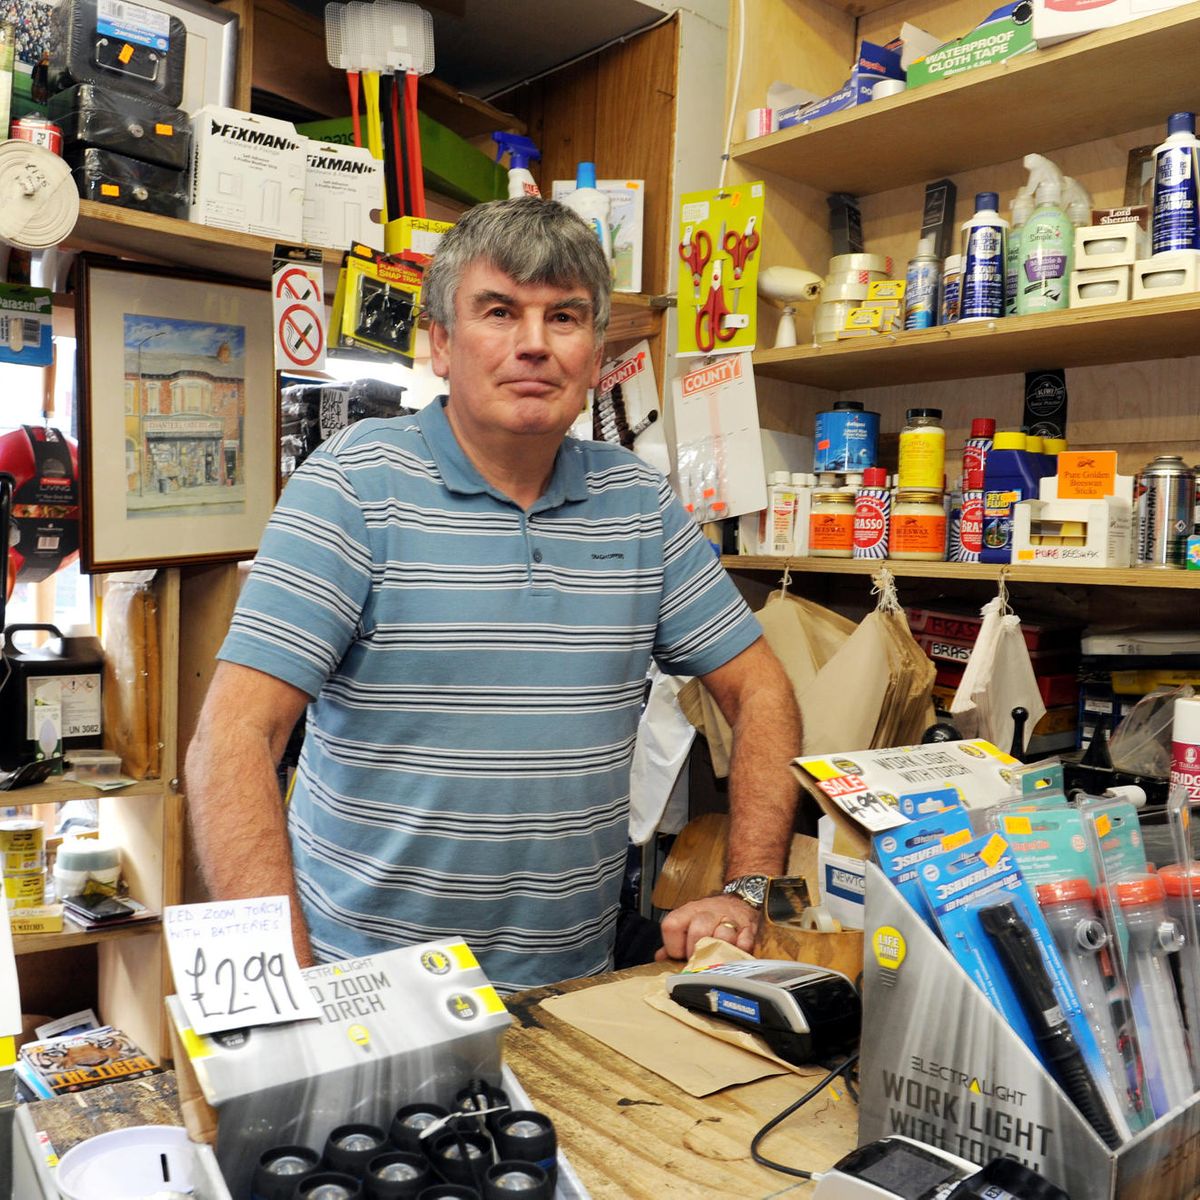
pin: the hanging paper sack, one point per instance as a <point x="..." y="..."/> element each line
<point x="998" y="678"/>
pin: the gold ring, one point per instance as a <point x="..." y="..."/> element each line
<point x="732" y="925"/>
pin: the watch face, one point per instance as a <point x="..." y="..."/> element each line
<point x="751" y="888"/>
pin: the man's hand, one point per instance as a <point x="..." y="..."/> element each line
<point x="725" y="917"/>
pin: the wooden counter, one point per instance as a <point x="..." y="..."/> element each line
<point x="631" y="1135"/>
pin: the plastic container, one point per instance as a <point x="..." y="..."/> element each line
<point x="1011" y="474"/>
<point x="94" y="766"/>
<point x="776" y="530"/>
<point x="1175" y="222"/>
<point x="831" y="525"/>
<point x="1047" y="242"/>
<point x="983" y="261"/>
<point x="951" y="289"/>
<point x="922" y="450"/>
<point x="1022" y="206"/>
<point x="918" y="525"/>
<point x="872" y="515"/>
<point x="592" y="205"/>
<point x="966" y="536"/>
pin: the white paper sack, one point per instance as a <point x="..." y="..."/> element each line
<point x="663" y="741"/>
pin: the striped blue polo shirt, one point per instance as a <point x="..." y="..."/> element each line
<point x="477" y="674"/>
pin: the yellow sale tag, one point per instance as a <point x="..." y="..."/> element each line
<point x="1103" y="825"/>
<point x="164" y="130"/>
<point x="126" y="53"/>
<point x="1018" y="825"/>
<point x="994" y="850"/>
<point x="953" y="840"/>
<point x="490" y="998"/>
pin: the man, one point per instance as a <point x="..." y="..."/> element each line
<point x="468" y="604"/>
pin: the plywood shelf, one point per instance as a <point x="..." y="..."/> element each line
<point x="1082" y="577"/>
<point x="1108" y="82"/>
<point x="55" y="791"/>
<point x="74" y="935"/>
<point x="1136" y="330"/>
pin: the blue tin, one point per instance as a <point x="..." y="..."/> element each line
<point x="846" y="438"/>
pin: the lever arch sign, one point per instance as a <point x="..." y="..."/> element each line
<point x="234" y="965"/>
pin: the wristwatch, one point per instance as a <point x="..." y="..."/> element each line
<point x="751" y="888"/>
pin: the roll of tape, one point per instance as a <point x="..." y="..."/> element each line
<point x="845" y="290"/>
<point x="887" y="87"/>
<point x="38" y="202"/>
<point x="820" y="919"/>
<point x="860" y="262"/>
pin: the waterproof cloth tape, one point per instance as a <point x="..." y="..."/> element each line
<point x="38" y="202"/>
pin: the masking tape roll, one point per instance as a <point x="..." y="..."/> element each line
<point x="819" y="918"/>
<point x="860" y="262"/>
<point x="38" y="202"/>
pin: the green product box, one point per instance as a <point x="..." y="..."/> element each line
<point x="452" y="165"/>
<point x="1006" y="32"/>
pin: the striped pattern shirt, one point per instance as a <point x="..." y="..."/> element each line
<point x="477" y="674"/>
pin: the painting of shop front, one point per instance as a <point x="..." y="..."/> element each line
<point x="185" y="409"/>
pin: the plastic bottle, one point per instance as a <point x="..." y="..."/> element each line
<point x="978" y="445"/>
<point x="1078" y="202"/>
<point x="966" y="540"/>
<point x="1010" y="475"/>
<point x="1176" y="224"/>
<point x="1022" y="208"/>
<point x="1047" y="242"/>
<point x="951" y="289"/>
<point x="982" y="295"/>
<point x="802" y="485"/>
<point x="921" y="286"/>
<point x="592" y="205"/>
<point x="922" y="450"/>
<point x="872" y="514"/>
<point x="779" y="517"/>
<point x="520" y="151"/>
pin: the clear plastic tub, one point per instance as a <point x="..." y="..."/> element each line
<point x="94" y="766"/>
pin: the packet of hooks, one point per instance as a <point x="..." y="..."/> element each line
<point x="378" y="302"/>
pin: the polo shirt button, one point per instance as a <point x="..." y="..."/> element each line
<point x="537" y="556"/>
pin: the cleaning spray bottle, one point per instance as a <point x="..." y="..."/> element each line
<point x="592" y="205"/>
<point x="1176" y="220"/>
<point x="1022" y="208"/>
<point x="1047" y="242"/>
<point x="982" y="294"/>
<point x="519" y="150"/>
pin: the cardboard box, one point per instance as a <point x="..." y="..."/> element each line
<point x="874" y="63"/>
<point x="1057" y="20"/>
<point x="1096" y="532"/>
<point x="625" y="220"/>
<point x="1109" y="286"/>
<point x="411" y="1024"/>
<point x="1004" y="34"/>
<point x="1172" y="274"/>
<point x="1114" y="244"/>
<point x="248" y="173"/>
<point x="343" y="196"/>
<point x="971" y="1086"/>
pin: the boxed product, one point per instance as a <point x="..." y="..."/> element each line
<point x="409" y="1025"/>
<point x="343" y="196"/>
<point x="247" y="173"/>
<point x="874" y="63"/>
<point x="1117" y="237"/>
<point x="1108" y="285"/>
<point x="114" y="179"/>
<point x="1001" y="35"/>
<point x="627" y="197"/>
<point x="121" y="45"/>
<point x="1057" y="20"/>
<point x="1174" y="273"/>
<point x="1075" y="532"/>
<point x="90" y="115"/>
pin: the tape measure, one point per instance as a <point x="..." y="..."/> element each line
<point x="38" y="202"/>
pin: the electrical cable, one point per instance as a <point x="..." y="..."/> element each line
<point x="737" y="88"/>
<point x="815" y="1090"/>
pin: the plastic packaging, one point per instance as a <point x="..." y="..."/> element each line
<point x="872" y="515"/>
<point x="983" y="261"/>
<point x="114" y="179"/>
<point x="1047" y="242"/>
<point x="143" y="53"/>
<point x="1175" y="223"/>
<point x="139" y="128"/>
<point x="1022" y="207"/>
<point x="1182" y="886"/>
<point x="1011" y="475"/>
<point x="921" y="288"/>
<point x="1141" y="744"/>
<point x="592" y="205"/>
<point x="922" y="450"/>
<point x="520" y="151"/>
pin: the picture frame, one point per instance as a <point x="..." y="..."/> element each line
<point x="178" y="407"/>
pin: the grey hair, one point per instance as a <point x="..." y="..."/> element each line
<point x="533" y="242"/>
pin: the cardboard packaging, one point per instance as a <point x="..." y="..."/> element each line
<point x="1057" y="20"/>
<point x="343" y="195"/>
<point x="1172" y="274"/>
<point x="1092" y="288"/>
<point x="408" y="1025"/>
<point x="1098" y="247"/>
<point x="972" y="1087"/>
<point x="874" y="63"/>
<point x="1002" y="35"/>
<point x="247" y="173"/>
<point x="1076" y="521"/>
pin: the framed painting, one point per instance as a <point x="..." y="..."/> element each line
<point x="177" y="402"/>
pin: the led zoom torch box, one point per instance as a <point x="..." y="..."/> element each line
<point x="409" y="1025"/>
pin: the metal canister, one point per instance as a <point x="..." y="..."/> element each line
<point x="39" y="131"/>
<point x="1166" y="498"/>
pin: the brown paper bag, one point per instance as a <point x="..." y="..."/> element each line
<point x="132" y="677"/>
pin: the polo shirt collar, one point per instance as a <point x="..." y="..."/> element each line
<point x="568" y="482"/>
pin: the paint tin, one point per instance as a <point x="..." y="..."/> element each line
<point x="26" y="890"/>
<point x="846" y="438"/>
<point x="39" y="131"/>
<point x="22" y="836"/>
<point x="1166" y="497"/>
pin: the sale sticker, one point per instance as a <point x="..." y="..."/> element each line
<point x="234" y="965"/>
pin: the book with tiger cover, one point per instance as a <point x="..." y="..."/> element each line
<point x="78" y="1061"/>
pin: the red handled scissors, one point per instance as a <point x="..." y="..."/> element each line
<point x="710" y="316"/>
<point x="740" y="247"/>
<point x="696" y="251"/>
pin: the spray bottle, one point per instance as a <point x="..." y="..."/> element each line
<point x="983" y="261"/>
<point x="519" y="150"/>
<point x="1176" y="221"/>
<point x="1047" y="242"/>
<point x="592" y="205"/>
<point x="1022" y="208"/>
<point x="1078" y="202"/>
<point x="921" y="286"/>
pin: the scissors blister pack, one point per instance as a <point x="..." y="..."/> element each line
<point x="718" y="246"/>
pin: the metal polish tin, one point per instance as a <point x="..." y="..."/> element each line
<point x="1166" y="498"/>
<point x="846" y="438"/>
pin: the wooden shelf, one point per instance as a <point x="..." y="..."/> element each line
<point x="1077" y="337"/>
<point x="73" y="935"/>
<point x="55" y="791"/>
<point x="1082" y="577"/>
<point x="1107" y="82"/>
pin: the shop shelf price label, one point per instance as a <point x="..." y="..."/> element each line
<point x="234" y="965"/>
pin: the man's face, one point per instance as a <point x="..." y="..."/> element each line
<point x="521" y="357"/>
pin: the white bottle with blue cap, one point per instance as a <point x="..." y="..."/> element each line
<point x="1176" y="225"/>
<point x="592" y="205"/>
<point x="983" y="257"/>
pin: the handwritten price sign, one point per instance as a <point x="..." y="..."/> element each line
<point x="234" y="965"/>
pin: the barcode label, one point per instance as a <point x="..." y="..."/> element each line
<point x="18" y="332"/>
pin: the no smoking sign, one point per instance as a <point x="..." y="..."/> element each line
<point x="299" y="316"/>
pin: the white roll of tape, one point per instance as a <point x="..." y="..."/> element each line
<point x="38" y="202"/>
<point x="887" y="87"/>
<point x="860" y="262"/>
